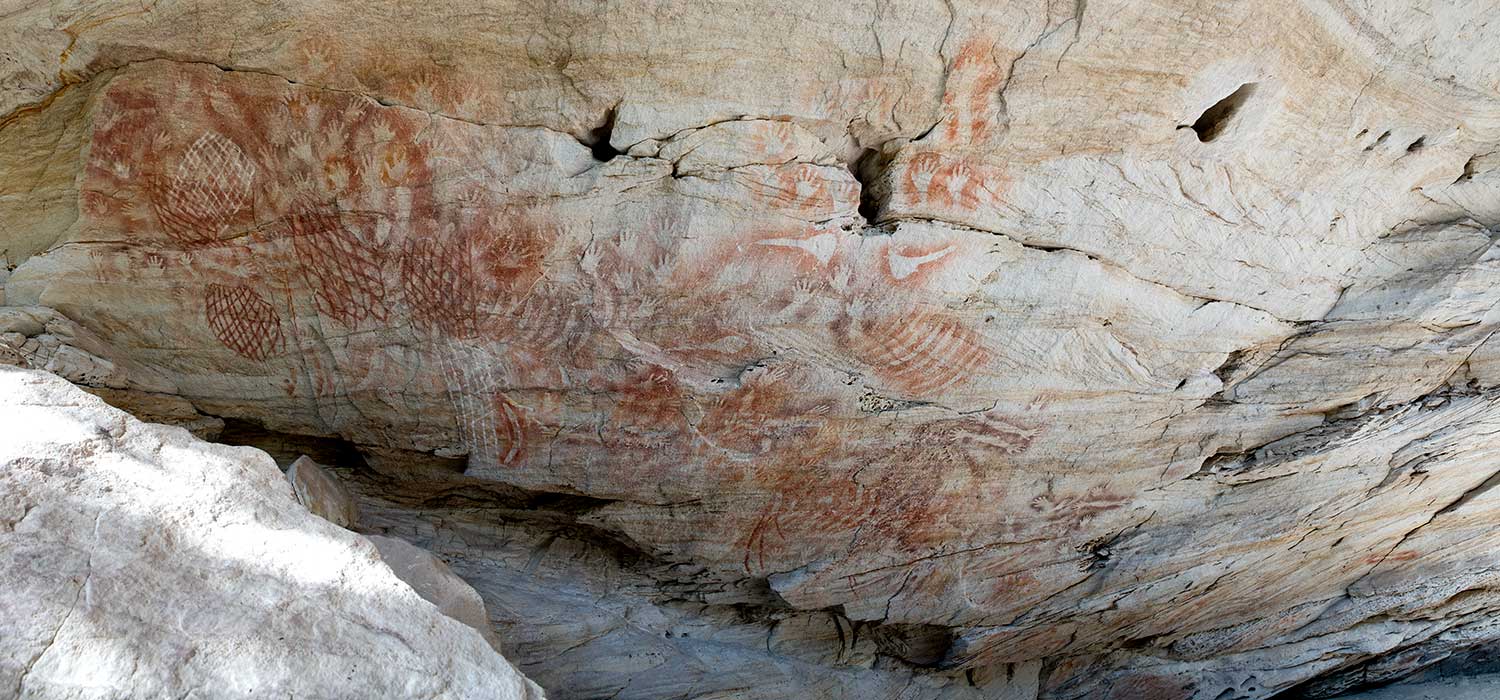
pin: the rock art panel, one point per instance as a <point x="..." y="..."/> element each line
<point x="833" y="378"/>
<point x="1066" y="337"/>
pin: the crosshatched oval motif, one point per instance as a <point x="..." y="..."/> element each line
<point x="211" y="186"/>
<point x="243" y="321"/>
<point x="437" y="280"/>
<point x="342" y="267"/>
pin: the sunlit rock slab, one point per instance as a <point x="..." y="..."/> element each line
<point x="138" y="561"/>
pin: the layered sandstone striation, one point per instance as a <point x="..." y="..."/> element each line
<point x="1105" y="349"/>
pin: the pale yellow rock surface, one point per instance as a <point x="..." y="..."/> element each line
<point x="1144" y="346"/>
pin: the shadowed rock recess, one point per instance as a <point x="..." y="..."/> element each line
<point x="918" y="349"/>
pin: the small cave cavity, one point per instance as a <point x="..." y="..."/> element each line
<point x="598" y="139"/>
<point x="921" y="645"/>
<point x="1212" y="123"/>
<point x="1417" y="145"/>
<point x="285" y="448"/>
<point x="869" y="169"/>
<point x="1232" y="364"/>
<point x="1468" y="172"/>
<point x="1137" y="643"/>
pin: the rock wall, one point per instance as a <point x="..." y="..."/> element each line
<point x="1143" y="345"/>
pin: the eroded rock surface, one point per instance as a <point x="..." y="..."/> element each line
<point x="1135" y="348"/>
<point x="138" y="561"/>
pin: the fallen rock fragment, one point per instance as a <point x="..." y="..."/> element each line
<point x="321" y="493"/>
<point x="436" y="583"/>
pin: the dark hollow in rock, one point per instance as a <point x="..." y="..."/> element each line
<point x="1215" y="119"/>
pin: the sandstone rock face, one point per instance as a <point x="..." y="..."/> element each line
<point x="1130" y="348"/>
<point x="41" y="338"/>
<point x="586" y="616"/>
<point x="140" y="562"/>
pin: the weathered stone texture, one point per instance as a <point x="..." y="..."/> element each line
<point x="1144" y="347"/>
<point x="137" y="561"/>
